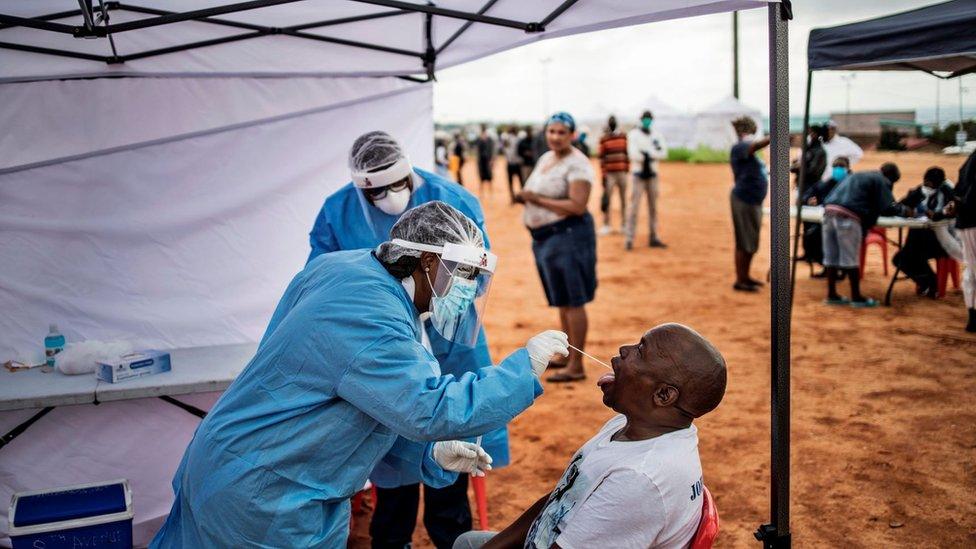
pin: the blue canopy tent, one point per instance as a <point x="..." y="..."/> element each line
<point x="937" y="39"/>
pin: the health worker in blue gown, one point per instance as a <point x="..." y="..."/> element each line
<point x="360" y="215"/>
<point x="339" y="375"/>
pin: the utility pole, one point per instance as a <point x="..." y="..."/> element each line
<point x="545" y="86"/>
<point x="938" y="105"/>
<point x="735" y="54"/>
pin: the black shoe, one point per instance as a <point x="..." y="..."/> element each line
<point x="971" y="327"/>
<point x="821" y="274"/>
<point x="628" y="245"/>
<point x="655" y="243"/>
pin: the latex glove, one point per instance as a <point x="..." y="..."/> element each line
<point x="463" y="457"/>
<point x="541" y="347"/>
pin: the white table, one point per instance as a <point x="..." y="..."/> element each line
<point x="194" y="370"/>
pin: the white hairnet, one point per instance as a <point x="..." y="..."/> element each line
<point x="434" y="223"/>
<point x="374" y="150"/>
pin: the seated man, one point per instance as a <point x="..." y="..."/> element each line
<point x="638" y="482"/>
<point x="928" y="199"/>
<point x="814" y="195"/>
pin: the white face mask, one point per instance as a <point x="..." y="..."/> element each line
<point x="394" y="203"/>
<point x="927" y="191"/>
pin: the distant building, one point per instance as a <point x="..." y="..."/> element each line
<point x="866" y="127"/>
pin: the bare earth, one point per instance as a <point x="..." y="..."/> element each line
<point x="884" y="400"/>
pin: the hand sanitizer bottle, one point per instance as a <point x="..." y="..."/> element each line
<point x="53" y="344"/>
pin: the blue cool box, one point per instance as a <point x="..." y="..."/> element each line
<point x="87" y="515"/>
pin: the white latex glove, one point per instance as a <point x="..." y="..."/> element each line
<point x="541" y="347"/>
<point x="463" y="457"/>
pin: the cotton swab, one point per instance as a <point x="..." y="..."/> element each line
<point x="584" y="353"/>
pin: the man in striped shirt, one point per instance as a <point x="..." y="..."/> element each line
<point x="613" y="165"/>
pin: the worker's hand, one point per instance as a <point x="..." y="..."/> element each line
<point x="541" y="348"/>
<point x="463" y="457"/>
<point x="950" y="209"/>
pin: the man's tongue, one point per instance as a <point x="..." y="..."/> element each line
<point x="605" y="379"/>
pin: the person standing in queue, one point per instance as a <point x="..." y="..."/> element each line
<point x="563" y="236"/>
<point x="360" y="215"/>
<point x="341" y="372"/>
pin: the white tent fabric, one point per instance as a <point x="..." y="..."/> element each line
<point x="677" y="127"/>
<point x="286" y="55"/>
<point x="713" y="128"/>
<point x="187" y="239"/>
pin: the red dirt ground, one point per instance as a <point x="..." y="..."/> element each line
<point x="884" y="422"/>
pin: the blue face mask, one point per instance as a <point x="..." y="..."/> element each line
<point x="448" y="310"/>
<point x="839" y="173"/>
<point x="647" y="123"/>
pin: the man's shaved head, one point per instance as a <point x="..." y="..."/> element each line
<point x="698" y="368"/>
<point x="671" y="373"/>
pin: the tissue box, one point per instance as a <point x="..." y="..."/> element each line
<point x="86" y="515"/>
<point x="133" y="365"/>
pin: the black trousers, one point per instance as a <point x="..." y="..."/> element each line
<point x="447" y="514"/>
<point x="913" y="259"/>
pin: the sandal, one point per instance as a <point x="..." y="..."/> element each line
<point x="839" y="300"/>
<point x="565" y="377"/>
<point x="864" y="304"/>
<point x="740" y="287"/>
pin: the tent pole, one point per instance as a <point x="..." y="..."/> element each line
<point x="776" y="534"/>
<point x="801" y="185"/>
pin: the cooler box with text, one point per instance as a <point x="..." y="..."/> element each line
<point x="86" y="515"/>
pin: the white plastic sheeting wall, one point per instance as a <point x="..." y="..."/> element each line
<point x="188" y="239"/>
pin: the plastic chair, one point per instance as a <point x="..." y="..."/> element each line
<point x="481" y="500"/>
<point x="944" y="268"/>
<point x="879" y="237"/>
<point x="708" y="525"/>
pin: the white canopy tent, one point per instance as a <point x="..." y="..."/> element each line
<point x="157" y="181"/>
<point x="677" y="127"/>
<point x="713" y="125"/>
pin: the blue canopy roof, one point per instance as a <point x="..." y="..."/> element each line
<point x="937" y="39"/>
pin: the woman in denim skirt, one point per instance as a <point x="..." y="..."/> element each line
<point x="563" y="237"/>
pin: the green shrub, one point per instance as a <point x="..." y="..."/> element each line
<point x="679" y="154"/>
<point x="698" y="155"/>
<point x="706" y="155"/>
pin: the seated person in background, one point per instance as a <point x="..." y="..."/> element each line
<point x="638" y="482"/>
<point x="850" y="210"/>
<point x="814" y="195"/>
<point x="928" y="199"/>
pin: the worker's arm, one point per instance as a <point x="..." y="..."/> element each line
<point x="514" y="536"/>
<point x="659" y="147"/>
<point x="758" y="145"/>
<point x="390" y="379"/>
<point x="574" y="204"/>
<point x="322" y="238"/>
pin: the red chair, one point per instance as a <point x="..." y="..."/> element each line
<point x="944" y="268"/>
<point x="879" y="237"/>
<point x="481" y="500"/>
<point x="708" y="525"/>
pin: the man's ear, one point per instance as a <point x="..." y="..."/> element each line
<point x="665" y="395"/>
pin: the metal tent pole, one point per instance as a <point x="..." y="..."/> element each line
<point x="801" y="186"/>
<point x="776" y="534"/>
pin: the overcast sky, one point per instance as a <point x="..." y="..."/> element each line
<point x="685" y="63"/>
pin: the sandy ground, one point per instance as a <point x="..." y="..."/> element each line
<point x="884" y="412"/>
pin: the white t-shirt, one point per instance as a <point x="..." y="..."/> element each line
<point x="551" y="178"/>
<point x="625" y="494"/>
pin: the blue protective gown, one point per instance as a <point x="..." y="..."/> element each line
<point x="341" y="225"/>
<point x="339" y="375"/>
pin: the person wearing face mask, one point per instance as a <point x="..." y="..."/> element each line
<point x="645" y="148"/>
<point x="929" y="199"/>
<point x="341" y="375"/>
<point x="814" y="195"/>
<point x="360" y="215"/>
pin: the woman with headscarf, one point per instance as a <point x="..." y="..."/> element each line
<point x="563" y="236"/>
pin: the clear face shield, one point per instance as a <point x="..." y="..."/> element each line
<point x="389" y="192"/>
<point x="460" y="284"/>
